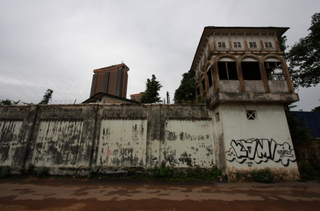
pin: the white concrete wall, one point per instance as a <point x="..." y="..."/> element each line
<point x="278" y="86"/>
<point x="114" y="138"/>
<point x="57" y="143"/>
<point x="254" y="86"/>
<point x="122" y="143"/>
<point x="189" y="139"/>
<point x="263" y="142"/>
<point x="232" y="86"/>
<point x="9" y="135"/>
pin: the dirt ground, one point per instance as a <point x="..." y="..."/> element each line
<point x="19" y="194"/>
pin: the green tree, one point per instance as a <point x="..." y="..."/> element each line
<point x="186" y="92"/>
<point x="46" y="97"/>
<point x="304" y="57"/>
<point x="300" y="132"/>
<point x="282" y="43"/>
<point x="316" y="109"/>
<point x="168" y="98"/>
<point x="151" y="95"/>
<point x="8" y="102"/>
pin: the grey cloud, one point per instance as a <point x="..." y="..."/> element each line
<point x="57" y="44"/>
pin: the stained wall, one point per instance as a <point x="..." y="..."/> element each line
<point x="109" y="138"/>
<point x="71" y="139"/>
<point x="259" y="141"/>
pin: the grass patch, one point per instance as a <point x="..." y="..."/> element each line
<point x="263" y="176"/>
<point x="42" y="172"/>
<point x="309" y="172"/>
<point x="4" y="171"/>
<point x="167" y="173"/>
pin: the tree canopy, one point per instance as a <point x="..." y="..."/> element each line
<point x="282" y="43"/>
<point x="316" y="109"/>
<point x="186" y="91"/>
<point x="304" y="57"/>
<point x="9" y="102"/>
<point x="46" y="97"/>
<point x="151" y="95"/>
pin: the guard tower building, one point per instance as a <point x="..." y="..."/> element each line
<point x="243" y="78"/>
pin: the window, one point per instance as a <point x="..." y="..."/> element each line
<point x="252" y="44"/>
<point x="227" y="71"/>
<point x="221" y="44"/>
<point x="217" y="117"/>
<point x="274" y="71"/>
<point x="251" y="71"/>
<point x="209" y="77"/>
<point x="237" y="44"/>
<point x="203" y="85"/>
<point x="251" y="115"/>
<point x="268" y="44"/>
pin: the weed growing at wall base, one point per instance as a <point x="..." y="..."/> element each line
<point x="309" y="172"/>
<point x="167" y="173"/>
<point x="263" y="175"/>
<point x="4" y="171"/>
<point x="43" y="172"/>
<point x="30" y="169"/>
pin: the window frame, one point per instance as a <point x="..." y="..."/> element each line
<point x="217" y="116"/>
<point x="228" y="71"/>
<point x="221" y="44"/>
<point x="209" y="76"/>
<point x="237" y="44"/>
<point x="253" y="45"/>
<point x="251" y="114"/>
<point x="248" y="73"/>
<point x="268" y="44"/>
<point x="270" y="71"/>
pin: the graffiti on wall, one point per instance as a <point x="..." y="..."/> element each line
<point x="260" y="150"/>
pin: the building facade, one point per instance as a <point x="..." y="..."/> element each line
<point x="136" y="97"/>
<point x="111" y="80"/>
<point x="240" y="75"/>
<point x="102" y="98"/>
<point x="243" y="78"/>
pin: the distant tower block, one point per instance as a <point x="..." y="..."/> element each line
<point x="112" y="80"/>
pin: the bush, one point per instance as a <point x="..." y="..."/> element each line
<point x="4" y="172"/>
<point x="90" y="173"/>
<point x="30" y="169"/>
<point x="263" y="175"/>
<point x="43" y="172"/>
<point x="308" y="172"/>
<point x="167" y="173"/>
<point x="203" y="174"/>
<point x="163" y="172"/>
<point x="215" y="172"/>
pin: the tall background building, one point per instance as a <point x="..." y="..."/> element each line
<point x="136" y="97"/>
<point x="111" y="80"/>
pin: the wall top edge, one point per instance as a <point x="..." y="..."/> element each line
<point x="101" y="104"/>
<point x="11" y="119"/>
<point x="188" y="119"/>
<point x="124" y="118"/>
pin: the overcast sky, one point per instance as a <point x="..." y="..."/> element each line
<point x="57" y="44"/>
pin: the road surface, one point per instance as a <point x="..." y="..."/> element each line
<point x="19" y="194"/>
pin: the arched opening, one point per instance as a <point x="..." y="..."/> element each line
<point x="227" y="69"/>
<point x="274" y="69"/>
<point x="250" y="69"/>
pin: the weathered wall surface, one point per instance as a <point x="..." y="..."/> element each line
<point x="71" y="139"/>
<point x="105" y="137"/>
<point x="258" y="142"/>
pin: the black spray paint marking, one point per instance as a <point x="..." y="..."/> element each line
<point x="260" y="150"/>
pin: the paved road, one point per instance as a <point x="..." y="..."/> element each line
<point x="17" y="194"/>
